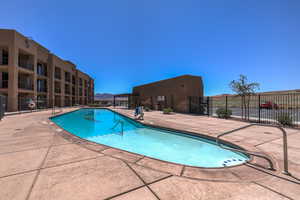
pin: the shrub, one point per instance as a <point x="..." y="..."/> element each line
<point x="147" y="109"/>
<point x="167" y="110"/>
<point x="223" y="113"/>
<point x="285" y="119"/>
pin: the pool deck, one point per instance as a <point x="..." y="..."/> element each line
<point x="39" y="160"/>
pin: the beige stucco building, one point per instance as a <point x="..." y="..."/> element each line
<point x="173" y="93"/>
<point x="30" y="71"/>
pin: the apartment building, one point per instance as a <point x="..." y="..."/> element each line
<point x="29" y="71"/>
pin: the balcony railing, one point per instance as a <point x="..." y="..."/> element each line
<point x="42" y="89"/>
<point x="4" y="61"/>
<point x="57" y="90"/>
<point x="67" y="77"/>
<point x="41" y="70"/>
<point x="26" y="65"/>
<point x="57" y="75"/>
<point x="25" y="85"/>
<point x="4" y="84"/>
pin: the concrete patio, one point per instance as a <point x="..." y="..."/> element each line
<point x="38" y="160"/>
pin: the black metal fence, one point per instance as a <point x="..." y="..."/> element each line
<point x="200" y="105"/>
<point x="27" y="104"/>
<point x="257" y="108"/>
<point x="2" y="106"/>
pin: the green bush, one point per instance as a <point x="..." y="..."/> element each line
<point x="147" y="109"/>
<point x="285" y="119"/>
<point x="167" y="110"/>
<point x="223" y="113"/>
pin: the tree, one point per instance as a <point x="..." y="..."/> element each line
<point x="245" y="90"/>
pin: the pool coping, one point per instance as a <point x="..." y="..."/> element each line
<point x="84" y="142"/>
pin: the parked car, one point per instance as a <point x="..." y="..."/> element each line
<point x="269" y="105"/>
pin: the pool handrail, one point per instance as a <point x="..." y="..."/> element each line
<point x="285" y="151"/>
<point x="122" y="125"/>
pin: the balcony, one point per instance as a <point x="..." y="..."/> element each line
<point x="26" y="65"/>
<point x="41" y="85"/>
<point x="57" y="90"/>
<point x="42" y="89"/>
<point x="25" y="85"/>
<point x="3" y="84"/>
<point x="67" y="89"/>
<point x="4" y="60"/>
<point x="57" y="73"/>
<point x="67" y="77"/>
<point x="57" y="87"/>
<point x="42" y="69"/>
<point x="26" y="61"/>
<point x="67" y="101"/>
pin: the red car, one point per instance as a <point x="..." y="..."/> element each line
<point x="269" y="105"/>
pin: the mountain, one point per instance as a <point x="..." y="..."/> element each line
<point x="104" y="96"/>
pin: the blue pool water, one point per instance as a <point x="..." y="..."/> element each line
<point x="101" y="126"/>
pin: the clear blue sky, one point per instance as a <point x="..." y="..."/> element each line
<point x="126" y="43"/>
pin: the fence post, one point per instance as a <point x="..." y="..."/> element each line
<point x="226" y="103"/>
<point x="190" y="106"/>
<point x="1" y="107"/>
<point x="208" y="106"/>
<point x="114" y="102"/>
<point x="199" y="110"/>
<point x="259" y="108"/>
<point x="128" y="101"/>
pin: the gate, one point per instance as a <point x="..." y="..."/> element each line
<point x="199" y="105"/>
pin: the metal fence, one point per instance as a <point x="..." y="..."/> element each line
<point x="259" y="108"/>
<point x="200" y="105"/>
<point x="2" y="106"/>
<point x="28" y="104"/>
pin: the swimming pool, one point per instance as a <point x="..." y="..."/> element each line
<point x="104" y="126"/>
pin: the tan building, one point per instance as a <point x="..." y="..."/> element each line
<point x="29" y="71"/>
<point x="173" y="93"/>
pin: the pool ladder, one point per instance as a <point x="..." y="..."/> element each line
<point x="122" y="125"/>
<point x="271" y="165"/>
